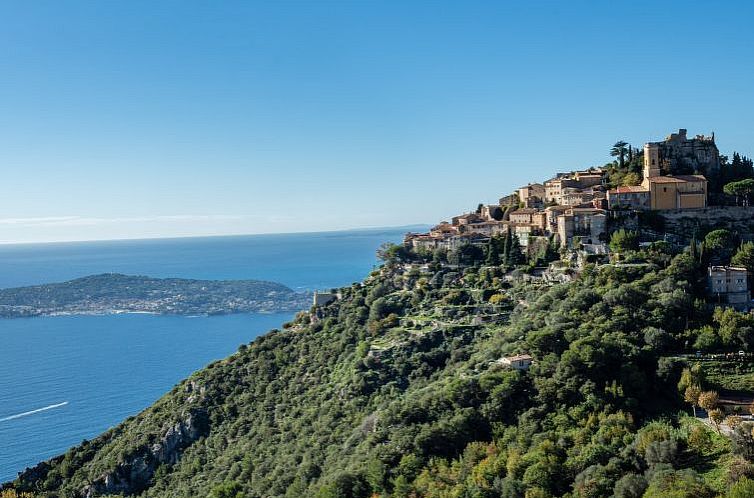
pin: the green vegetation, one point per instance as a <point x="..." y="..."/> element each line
<point x="395" y="390"/>
<point x="741" y="189"/>
<point x="744" y="256"/>
<point x="624" y="240"/>
<point x="114" y="293"/>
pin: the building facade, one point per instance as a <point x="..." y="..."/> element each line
<point x="729" y="285"/>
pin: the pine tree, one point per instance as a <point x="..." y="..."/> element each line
<point x="515" y="256"/>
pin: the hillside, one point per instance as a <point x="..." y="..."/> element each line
<point x="396" y="390"/>
<point x="116" y="293"/>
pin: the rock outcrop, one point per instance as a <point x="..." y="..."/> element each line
<point x="134" y="475"/>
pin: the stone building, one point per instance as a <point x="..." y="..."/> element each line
<point x="672" y="192"/>
<point x="531" y="190"/>
<point x="556" y="187"/>
<point x="509" y="200"/>
<point x="522" y="215"/>
<point x="551" y="217"/>
<point x="588" y="224"/>
<point x="590" y="178"/>
<point x="631" y="197"/>
<point x="729" y="285"/>
<point x="680" y="155"/>
<point x="487" y="228"/>
<point x="492" y="212"/>
<point x="465" y="219"/>
<point x="677" y="192"/>
<point x="517" y="362"/>
<point x="323" y="298"/>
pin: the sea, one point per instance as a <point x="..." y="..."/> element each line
<point x="65" y="379"/>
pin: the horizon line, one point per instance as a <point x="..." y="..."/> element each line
<point x="228" y="235"/>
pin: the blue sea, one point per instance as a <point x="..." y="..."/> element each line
<point x="68" y="378"/>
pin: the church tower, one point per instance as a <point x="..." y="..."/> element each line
<point x="651" y="162"/>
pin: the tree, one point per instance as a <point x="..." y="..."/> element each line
<point x="708" y="400"/>
<point x="720" y="243"/>
<point x="393" y="253"/>
<point x="619" y="150"/>
<point x="734" y="327"/>
<point x="743" y="441"/>
<point x="227" y="490"/>
<point x="693" y="376"/>
<point x="630" y="486"/>
<point x="691" y="396"/>
<point x="631" y="179"/>
<point x="345" y="485"/>
<point x="733" y="421"/>
<point x="744" y="256"/>
<point x="717" y="416"/>
<point x="467" y="255"/>
<point x="741" y="189"/>
<point x="718" y="239"/>
<point x="624" y="240"/>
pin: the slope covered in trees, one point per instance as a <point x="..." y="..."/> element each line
<point x="396" y="391"/>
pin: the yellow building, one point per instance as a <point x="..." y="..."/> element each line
<point x="677" y="192"/>
<point x="671" y="192"/>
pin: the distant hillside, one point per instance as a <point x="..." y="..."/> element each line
<point x="115" y="293"/>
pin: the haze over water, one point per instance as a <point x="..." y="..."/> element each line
<point x="64" y="379"/>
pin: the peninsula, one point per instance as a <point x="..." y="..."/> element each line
<point x="112" y="293"/>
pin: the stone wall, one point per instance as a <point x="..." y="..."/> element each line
<point x="679" y="225"/>
<point x="686" y="222"/>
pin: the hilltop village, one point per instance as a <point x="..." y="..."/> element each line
<point x="574" y="207"/>
<point x="573" y="216"/>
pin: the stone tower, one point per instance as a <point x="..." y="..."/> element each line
<point x="651" y="162"/>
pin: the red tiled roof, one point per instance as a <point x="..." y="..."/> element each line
<point x="678" y="179"/>
<point x="628" y="189"/>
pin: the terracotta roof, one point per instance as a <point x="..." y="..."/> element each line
<point x="628" y="188"/>
<point x="678" y="179"/>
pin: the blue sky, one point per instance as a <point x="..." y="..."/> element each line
<point x="145" y="119"/>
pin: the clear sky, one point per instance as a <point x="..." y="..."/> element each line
<point x="170" y="118"/>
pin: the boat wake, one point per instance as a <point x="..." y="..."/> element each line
<point x="32" y="412"/>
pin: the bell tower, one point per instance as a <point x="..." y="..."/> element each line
<point x="651" y="162"/>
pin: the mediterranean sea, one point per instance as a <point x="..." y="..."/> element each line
<point x="68" y="378"/>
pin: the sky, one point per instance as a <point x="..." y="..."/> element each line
<point x="138" y="119"/>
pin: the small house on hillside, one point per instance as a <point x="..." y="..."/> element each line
<point x="517" y="362"/>
<point x="324" y="298"/>
<point x="730" y="285"/>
